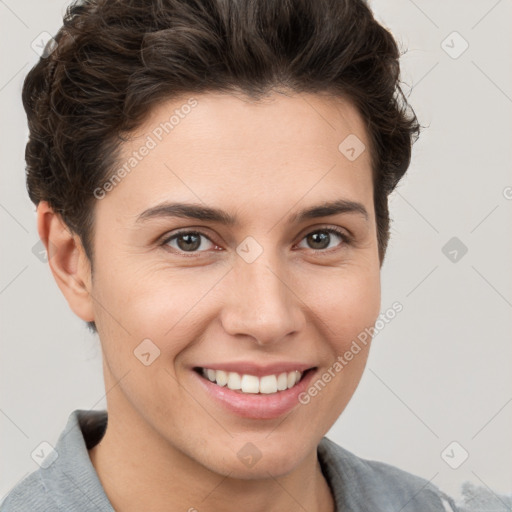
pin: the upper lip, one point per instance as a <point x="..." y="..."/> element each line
<point x="258" y="370"/>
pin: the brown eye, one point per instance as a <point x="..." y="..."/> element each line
<point x="187" y="241"/>
<point x="320" y="239"/>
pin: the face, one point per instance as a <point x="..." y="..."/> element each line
<point x="255" y="300"/>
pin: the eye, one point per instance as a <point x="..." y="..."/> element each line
<point x="187" y="241"/>
<point x="320" y="239"/>
<point x="191" y="241"/>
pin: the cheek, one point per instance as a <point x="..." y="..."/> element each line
<point x="344" y="303"/>
<point x="347" y="302"/>
<point x="140" y="303"/>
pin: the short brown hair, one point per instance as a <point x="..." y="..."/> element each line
<point x="115" y="59"/>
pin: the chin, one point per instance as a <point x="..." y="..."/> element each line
<point x="266" y="467"/>
<point x="259" y="459"/>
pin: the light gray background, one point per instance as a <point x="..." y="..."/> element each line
<point x="439" y="372"/>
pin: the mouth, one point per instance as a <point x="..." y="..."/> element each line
<point x="254" y="391"/>
<point x="245" y="383"/>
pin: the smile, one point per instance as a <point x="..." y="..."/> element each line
<point x="254" y="391"/>
<point x="245" y="383"/>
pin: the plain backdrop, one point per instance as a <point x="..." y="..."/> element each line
<point x="439" y="373"/>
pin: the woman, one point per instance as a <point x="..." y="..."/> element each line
<point x="211" y="180"/>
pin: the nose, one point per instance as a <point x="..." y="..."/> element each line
<point x="263" y="304"/>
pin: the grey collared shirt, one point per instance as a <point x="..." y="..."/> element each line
<point x="67" y="480"/>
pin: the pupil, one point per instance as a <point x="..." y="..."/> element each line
<point x="187" y="238"/>
<point x="323" y="236"/>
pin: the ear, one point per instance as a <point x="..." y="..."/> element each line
<point x="68" y="262"/>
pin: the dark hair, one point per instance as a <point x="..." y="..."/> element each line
<point x="116" y="59"/>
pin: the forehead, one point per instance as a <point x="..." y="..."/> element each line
<point x="228" y="149"/>
<point x="229" y="120"/>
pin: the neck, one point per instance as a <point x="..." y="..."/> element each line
<point x="139" y="470"/>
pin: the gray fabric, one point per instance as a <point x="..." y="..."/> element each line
<point x="71" y="483"/>
<point x="361" y="485"/>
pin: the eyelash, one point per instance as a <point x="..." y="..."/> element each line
<point x="347" y="240"/>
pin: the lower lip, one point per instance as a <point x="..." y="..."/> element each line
<point x="254" y="405"/>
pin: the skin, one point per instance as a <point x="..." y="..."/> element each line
<point x="167" y="446"/>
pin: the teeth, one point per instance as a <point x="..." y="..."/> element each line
<point x="267" y="384"/>
<point x="282" y="381"/>
<point x="293" y="377"/>
<point x="250" y="384"/>
<point x="234" y="381"/>
<point x="221" y="378"/>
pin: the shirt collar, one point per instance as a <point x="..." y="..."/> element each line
<point x="71" y="477"/>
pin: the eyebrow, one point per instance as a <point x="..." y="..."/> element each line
<point x="208" y="213"/>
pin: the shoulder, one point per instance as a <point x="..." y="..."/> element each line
<point x="28" y="494"/>
<point x="368" y="485"/>
<point x="66" y="479"/>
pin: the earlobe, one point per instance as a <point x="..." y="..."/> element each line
<point x="67" y="259"/>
